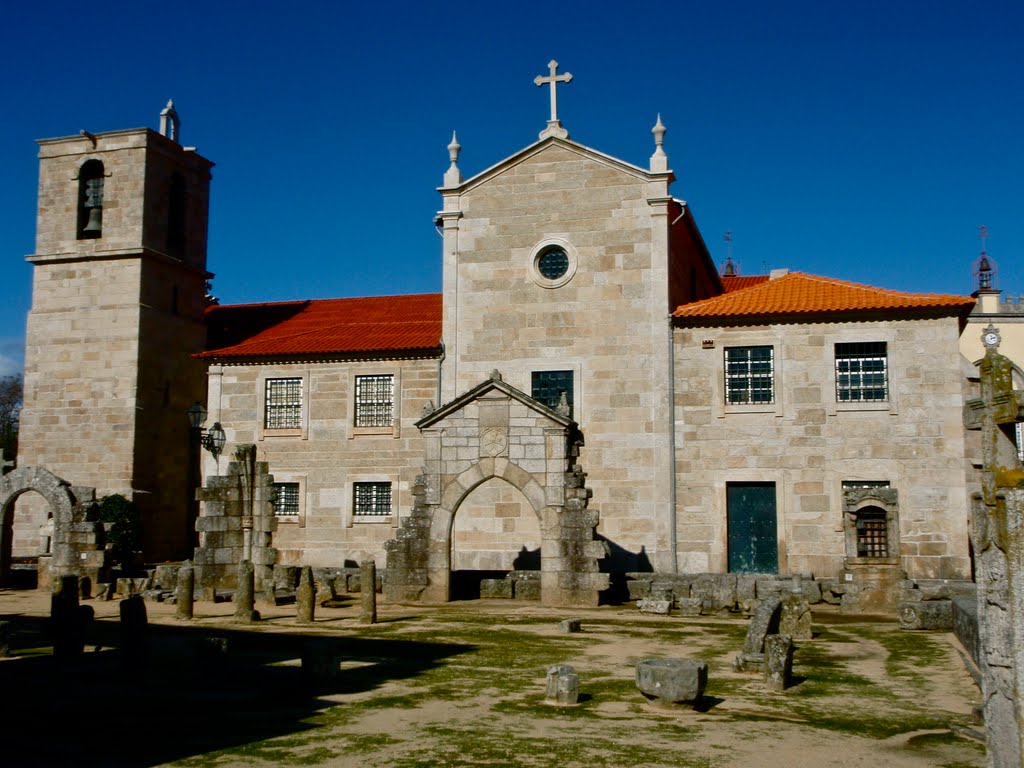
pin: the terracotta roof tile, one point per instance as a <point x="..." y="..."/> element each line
<point x="798" y="293"/>
<point x="739" y="282"/>
<point x="325" y="326"/>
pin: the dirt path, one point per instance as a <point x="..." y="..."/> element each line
<point x="462" y="685"/>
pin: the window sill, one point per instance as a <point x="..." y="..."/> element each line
<point x="281" y="433"/>
<point x="374" y="520"/>
<point x="389" y="431"/>
<point x="871" y="406"/>
<point x="772" y="408"/>
<point x="291" y="519"/>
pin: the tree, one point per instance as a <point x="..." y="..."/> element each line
<point x="10" y="409"/>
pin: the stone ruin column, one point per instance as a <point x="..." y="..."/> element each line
<point x="997" y="532"/>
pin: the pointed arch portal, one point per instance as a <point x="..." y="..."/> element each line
<point x="497" y="431"/>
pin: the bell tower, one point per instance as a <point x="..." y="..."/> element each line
<point x="118" y="293"/>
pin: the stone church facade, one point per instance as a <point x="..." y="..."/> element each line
<point x="586" y="396"/>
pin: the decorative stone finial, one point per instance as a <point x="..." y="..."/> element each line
<point x="170" y="124"/>
<point x="554" y="125"/>
<point x="496" y="375"/>
<point x="453" y="176"/>
<point x="659" y="160"/>
<point x="563" y="404"/>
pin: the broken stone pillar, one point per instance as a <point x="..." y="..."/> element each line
<point x="68" y="642"/>
<point x="368" y="591"/>
<point x="763" y="622"/>
<point x="563" y="685"/>
<point x="778" y="662"/>
<point x="305" y="597"/>
<point x="184" y="592"/>
<point x="134" y="628"/>
<point x="672" y="683"/>
<point x="245" y="594"/>
<point x="795" y="618"/>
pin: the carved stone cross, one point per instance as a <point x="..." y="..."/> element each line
<point x="554" y="127"/>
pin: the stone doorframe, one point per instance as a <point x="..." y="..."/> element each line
<point x="62" y="499"/>
<point x="496" y="431"/>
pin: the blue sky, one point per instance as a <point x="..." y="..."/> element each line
<point x="865" y="141"/>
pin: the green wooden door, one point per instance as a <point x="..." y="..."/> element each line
<point x="750" y="510"/>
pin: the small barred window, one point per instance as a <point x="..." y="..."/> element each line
<point x="375" y="401"/>
<point x="283" y="404"/>
<point x="286" y="499"/>
<point x="749" y="375"/>
<point x="372" y="499"/>
<point x="862" y="372"/>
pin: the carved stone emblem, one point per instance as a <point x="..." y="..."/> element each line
<point x="493" y="441"/>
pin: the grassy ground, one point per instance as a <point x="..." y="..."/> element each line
<point x="463" y="685"/>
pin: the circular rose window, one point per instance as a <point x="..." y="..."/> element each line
<point x="552" y="262"/>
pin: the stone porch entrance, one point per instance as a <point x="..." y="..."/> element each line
<point x="496" y="431"/>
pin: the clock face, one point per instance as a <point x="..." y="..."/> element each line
<point x="991" y="338"/>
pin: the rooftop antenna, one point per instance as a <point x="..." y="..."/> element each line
<point x="729" y="269"/>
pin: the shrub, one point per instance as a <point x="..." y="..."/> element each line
<point x="125" y="530"/>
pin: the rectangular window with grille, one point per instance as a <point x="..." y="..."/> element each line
<point x="548" y="386"/>
<point x="371" y="499"/>
<point x="375" y="401"/>
<point x="286" y="499"/>
<point x="862" y="372"/>
<point x="749" y="375"/>
<point x="283" y="404"/>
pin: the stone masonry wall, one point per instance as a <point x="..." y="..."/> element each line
<point x="328" y="454"/>
<point x="607" y="323"/>
<point x="808" y="444"/>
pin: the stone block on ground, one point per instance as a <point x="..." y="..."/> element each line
<point x="526" y="589"/>
<point x="570" y="626"/>
<point x="321" y="661"/>
<point x="638" y="589"/>
<point x="495" y="589"/>
<point x="926" y="614"/>
<point x="672" y="682"/>
<point x="690" y="606"/>
<point x="651" y="605"/>
<point x="563" y="685"/>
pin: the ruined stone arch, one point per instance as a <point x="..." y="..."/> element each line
<point x="61" y="499"/>
<point x="497" y="431"/>
<point x="462" y="486"/>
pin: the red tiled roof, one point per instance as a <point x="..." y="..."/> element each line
<point x="325" y="326"/>
<point x="799" y="293"/>
<point x="739" y="282"/>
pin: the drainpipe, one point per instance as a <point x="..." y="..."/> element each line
<point x="674" y="493"/>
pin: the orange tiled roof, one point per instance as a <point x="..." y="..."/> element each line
<point x="325" y="326"/>
<point x="739" y="282"/>
<point x="801" y="294"/>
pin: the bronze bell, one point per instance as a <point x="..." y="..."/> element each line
<point x="95" y="223"/>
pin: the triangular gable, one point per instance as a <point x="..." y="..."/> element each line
<point x="494" y="383"/>
<point x="539" y="146"/>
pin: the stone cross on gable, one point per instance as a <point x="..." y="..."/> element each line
<point x="554" y="126"/>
